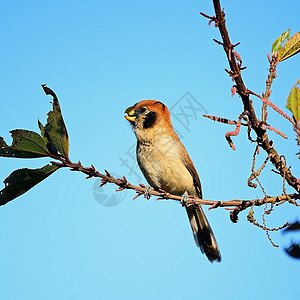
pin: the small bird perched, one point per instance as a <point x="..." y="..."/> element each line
<point x="166" y="165"/>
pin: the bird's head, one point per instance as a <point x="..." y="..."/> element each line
<point x="147" y="116"/>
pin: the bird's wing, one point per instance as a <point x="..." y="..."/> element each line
<point x="191" y="168"/>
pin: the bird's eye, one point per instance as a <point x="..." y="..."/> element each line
<point x="143" y="109"/>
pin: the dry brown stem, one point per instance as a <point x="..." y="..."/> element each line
<point x="235" y="72"/>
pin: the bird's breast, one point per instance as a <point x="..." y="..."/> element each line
<point x="163" y="166"/>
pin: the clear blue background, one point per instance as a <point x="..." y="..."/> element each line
<point x="57" y="241"/>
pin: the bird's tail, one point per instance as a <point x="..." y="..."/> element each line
<point x="203" y="234"/>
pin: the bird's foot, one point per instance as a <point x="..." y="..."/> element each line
<point x="147" y="192"/>
<point x="184" y="198"/>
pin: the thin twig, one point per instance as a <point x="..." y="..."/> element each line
<point x="275" y="107"/>
<point x="272" y="75"/>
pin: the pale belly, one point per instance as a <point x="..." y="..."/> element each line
<point x="165" y="169"/>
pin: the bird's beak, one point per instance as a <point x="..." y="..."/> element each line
<point x="130" y="114"/>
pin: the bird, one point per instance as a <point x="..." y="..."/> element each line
<point x="166" y="165"/>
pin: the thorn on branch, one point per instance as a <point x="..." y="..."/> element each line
<point x="276" y="131"/>
<point x="191" y="201"/>
<point x="276" y="108"/>
<point x="240" y="62"/>
<point x="234" y="45"/>
<point x="91" y="172"/>
<point x="103" y="182"/>
<point x="231" y="74"/>
<point x="229" y="50"/>
<point x="105" y="178"/>
<point x="218" y="42"/>
<point x="215" y="205"/>
<point x="162" y="194"/>
<point x="229" y="208"/>
<point x="123" y="181"/>
<point x="211" y="19"/>
<point x="123" y="184"/>
<point x="221" y="120"/>
<point x="275" y="171"/>
<point x="138" y="193"/>
<point x="146" y="192"/>
<point x="74" y="168"/>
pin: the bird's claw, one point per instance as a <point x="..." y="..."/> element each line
<point x="147" y="192"/>
<point x="184" y="198"/>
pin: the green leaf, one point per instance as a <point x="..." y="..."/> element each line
<point x="293" y="101"/>
<point x="2" y="143"/>
<point x="291" y="47"/>
<point x="42" y="129"/>
<point x="277" y="45"/>
<point x="26" y="144"/>
<point x="22" y="180"/>
<point x="47" y="139"/>
<point x="55" y="130"/>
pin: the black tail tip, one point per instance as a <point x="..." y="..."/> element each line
<point x="215" y="259"/>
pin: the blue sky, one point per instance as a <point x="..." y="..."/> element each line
<point x="60" y="240"/>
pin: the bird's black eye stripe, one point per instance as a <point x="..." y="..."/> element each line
<point x="143" y="109"/>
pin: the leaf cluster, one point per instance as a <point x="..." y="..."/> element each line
<point x="53" y="142"/>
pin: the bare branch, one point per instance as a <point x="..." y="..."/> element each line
<point x="235" y="205"/>
<point x="258" y="127"/>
